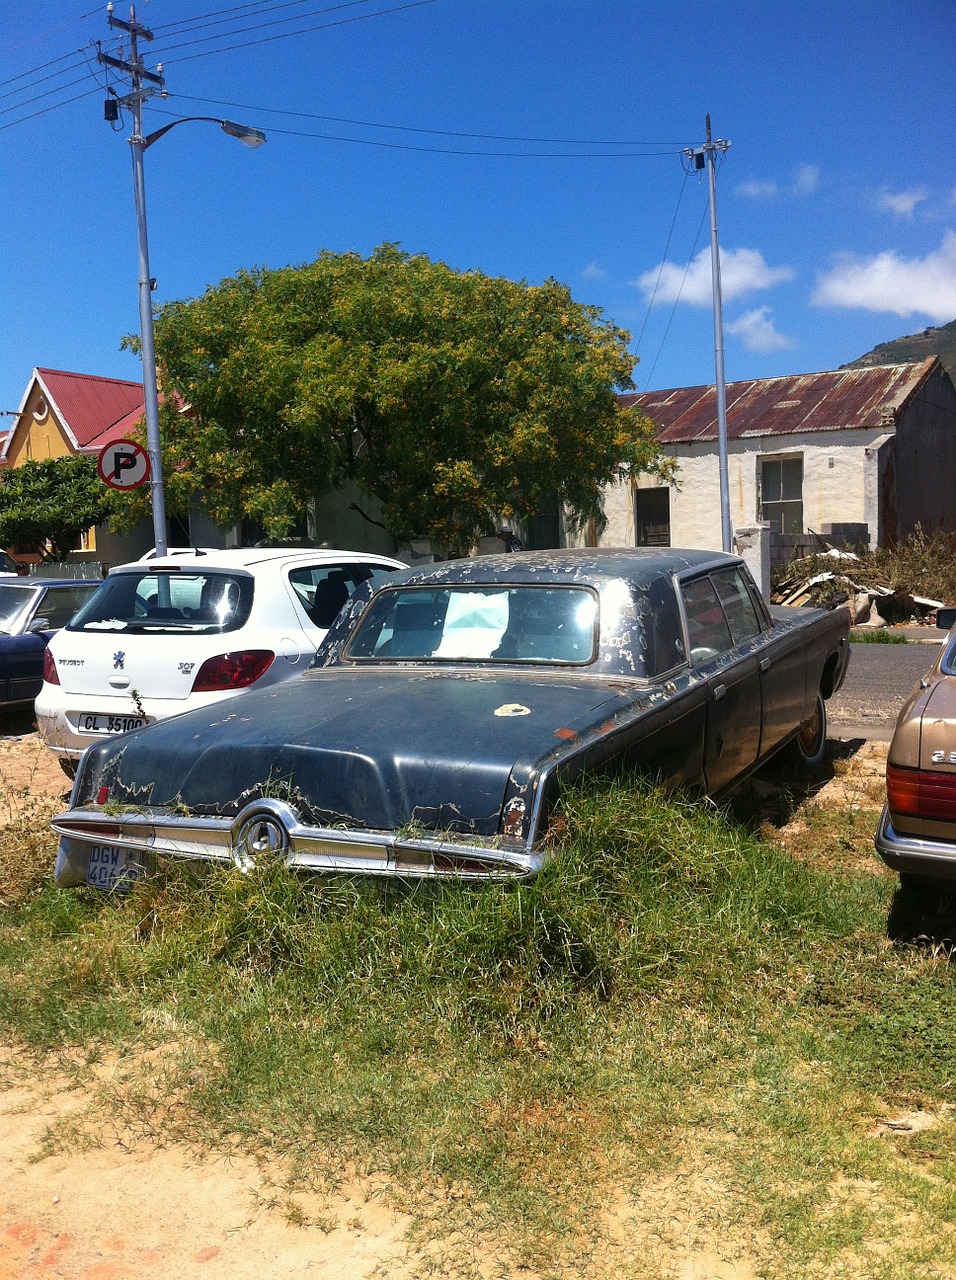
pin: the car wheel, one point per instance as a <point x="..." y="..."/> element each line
<point x="68" y="765"/>
<point x="808" y="747"/>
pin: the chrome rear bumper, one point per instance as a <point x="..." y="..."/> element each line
<point x="915" y="855"/>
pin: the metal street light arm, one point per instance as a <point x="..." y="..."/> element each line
<point x="248" y="136"/>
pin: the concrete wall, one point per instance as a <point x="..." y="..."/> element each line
<point x="834" y="485"/>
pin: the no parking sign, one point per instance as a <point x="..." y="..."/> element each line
<point x="123" y="464"/>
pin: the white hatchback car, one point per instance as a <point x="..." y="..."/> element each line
<point x="161" y="637"/>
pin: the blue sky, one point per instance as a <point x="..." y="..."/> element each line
<point x="524" y="138"/>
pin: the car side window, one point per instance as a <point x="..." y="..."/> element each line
<point x="60" y="603"/>
<point x="323" y="589"/>
<point x="707" y="631"/>
<point x="738" y="606"/>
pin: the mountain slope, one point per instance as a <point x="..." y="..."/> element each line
<point x="918" y="346"/>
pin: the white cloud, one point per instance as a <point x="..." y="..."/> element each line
<point x="594" y="271"/>
<point x="741" y="271"/>
<point x="758" y="332"/>
<point x="806" y="179"/>
<point x="887" y="282"/>
<point x="757" y="189"/>
<point x="804" y="182"/>
<point x="901" y="203"/>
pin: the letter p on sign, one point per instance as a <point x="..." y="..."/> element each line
<point x="123" y="464"/>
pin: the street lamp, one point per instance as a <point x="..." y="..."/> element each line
<point x="139" y="143"/>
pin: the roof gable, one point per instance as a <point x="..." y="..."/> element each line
<point x="88" y="406"/>
<point x="845" y="400"/>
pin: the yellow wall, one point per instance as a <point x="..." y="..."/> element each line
<point x="37" y="434"/>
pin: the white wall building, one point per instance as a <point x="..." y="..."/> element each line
<point x="870" y="449"/>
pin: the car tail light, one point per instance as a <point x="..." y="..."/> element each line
<point x="920" y="793"/>
<point x="232" y="670"/>
<point x="49" y="668"/>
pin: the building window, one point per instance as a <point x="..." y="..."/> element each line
<point x="781" y="494"/>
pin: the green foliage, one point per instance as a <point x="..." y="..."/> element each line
<point x="455" y="398"/>
<point x="879" y="635"/>
<point x="47" y="505"/>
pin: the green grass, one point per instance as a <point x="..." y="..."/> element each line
<point x="676" y="1013"/>
<point x="879" y="635"/>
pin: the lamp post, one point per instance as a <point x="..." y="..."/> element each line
<point x="135" y="69"/>
<point x="139" y="144"/>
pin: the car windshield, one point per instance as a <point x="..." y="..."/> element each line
<point x="7" y="563"/>
<point x="13" y="600"/>
<point x="158" y="600"/>
<point x="478" y="624"/>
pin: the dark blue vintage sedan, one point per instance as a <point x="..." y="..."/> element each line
<point x="31" y="609"/>
<point x="449" y="704"/>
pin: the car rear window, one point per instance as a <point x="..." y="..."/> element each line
<point x="478" y="624"/>
<point x="168" y="600"/>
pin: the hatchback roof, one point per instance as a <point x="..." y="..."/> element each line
<point x="250" y="557"/>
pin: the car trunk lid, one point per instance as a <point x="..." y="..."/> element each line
<point x="379" y="749"/>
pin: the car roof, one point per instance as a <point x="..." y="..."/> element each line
<point x="22" y="581"/>
<point x="582" y="565"/>
<point x="251" y="557"/>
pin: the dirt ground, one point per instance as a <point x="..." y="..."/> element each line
<point x="119" y="1211"/>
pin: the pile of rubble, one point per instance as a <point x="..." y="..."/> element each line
<point x="871" y="602"/>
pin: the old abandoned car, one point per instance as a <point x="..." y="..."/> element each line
<point x="163" y="636"/>
<point x="448" y="705"/>
<point x="916" y="835"/>
<point x="31" y="610"/>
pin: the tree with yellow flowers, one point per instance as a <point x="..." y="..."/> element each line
<point x="455" y="398"/>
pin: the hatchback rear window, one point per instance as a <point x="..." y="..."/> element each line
<point x="163" y="600"/>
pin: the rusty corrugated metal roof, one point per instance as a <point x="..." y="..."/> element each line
<point x="840" y="401"/>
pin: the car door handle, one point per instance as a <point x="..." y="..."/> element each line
<point x="719" y="691"/>
<point x="764" y="664"/>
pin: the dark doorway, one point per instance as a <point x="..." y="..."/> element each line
<point x="652" y="517"/>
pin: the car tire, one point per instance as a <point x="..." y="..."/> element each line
<point x="807" y="749"/>
<point x="68" y="765"/>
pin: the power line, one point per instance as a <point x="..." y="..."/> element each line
<point x="680" y="196"/>
<point x="22" y="75"/>
<point x="456" y="151"/>
<point x="265" y="6"/>
<point x="198" y="23"/>
<point x="53" y="107"/>
<point x="670" y="318"/>
<point x="46" y="94"/>
<point x="288" y="35"/>
<point x="669" y="148"/>
<point x="52" y="32"/>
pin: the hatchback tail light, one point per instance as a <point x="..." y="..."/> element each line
<point x="921" y="793"/>
<point x="49" y="668"/>
<point x="232" y="670"/>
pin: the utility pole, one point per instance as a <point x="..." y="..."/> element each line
<point x="702" y="156"/>
<point x="139" y="92"/>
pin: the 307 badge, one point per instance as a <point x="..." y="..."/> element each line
<point x="186" y="668"/>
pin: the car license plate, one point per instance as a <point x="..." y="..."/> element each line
<point x="111" y="866"/>
<point x="110" y="724"/>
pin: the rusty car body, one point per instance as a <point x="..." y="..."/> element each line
<point x="916" y="835"/>
<point x="450" y="703"/>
